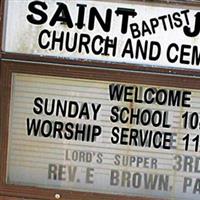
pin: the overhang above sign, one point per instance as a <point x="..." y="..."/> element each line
<point x="131" y="32"/>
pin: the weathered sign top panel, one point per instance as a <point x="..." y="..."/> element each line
<point x="104" y="31"/>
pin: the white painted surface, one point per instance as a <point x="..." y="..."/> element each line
<point x="29" y="156"/>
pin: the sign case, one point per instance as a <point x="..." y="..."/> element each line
<point x="103" y="135"/>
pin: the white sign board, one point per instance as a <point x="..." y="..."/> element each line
<point x="105" y="137"/>
<point x="105" y="31"/>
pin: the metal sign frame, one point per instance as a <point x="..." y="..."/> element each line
<point x="71" y="71"/>
<point x="29" y="64"/>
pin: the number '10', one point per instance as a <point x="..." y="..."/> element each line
<point x="190" y="120"/>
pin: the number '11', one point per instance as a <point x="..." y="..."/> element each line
<point x="195" y="140"/>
